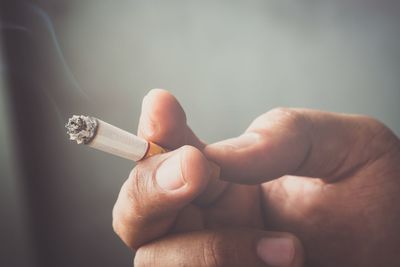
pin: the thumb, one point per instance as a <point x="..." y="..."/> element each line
<point x="157" y="189"/>
<point x="223" y="248"/>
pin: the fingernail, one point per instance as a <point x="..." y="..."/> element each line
<point x="277" y="252"/>
<point x="169" y="175"/>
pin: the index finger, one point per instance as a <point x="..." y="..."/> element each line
<point x="301" y="142"/>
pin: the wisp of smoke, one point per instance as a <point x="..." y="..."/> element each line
<point x="6" y="26"/>
<point x="45" y="18"/>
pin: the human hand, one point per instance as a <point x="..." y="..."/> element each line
<point x="349" y="214"/>
<point x="203" y="221"/>
<point x="341" y="218"/>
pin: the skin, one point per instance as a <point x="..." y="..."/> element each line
<point x="330" y="179"/>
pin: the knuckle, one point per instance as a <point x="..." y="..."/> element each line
<point x="213" y="251"/>
<point x="381" y="138"/>
<point x="280" y="110"/>
<point x="121" y="230"/>
<point x="288" y="118"/>
<point x="130" y="212"/>
<point x="135" y="190"/>
<point x="125" y="230"/>
<point x="144" y="257"/>
<point x="134" y="184"/>
<point x="378" y="128"/>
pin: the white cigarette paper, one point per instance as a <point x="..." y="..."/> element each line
<point x="106" y="137"/>
<point x="118" y="142"/>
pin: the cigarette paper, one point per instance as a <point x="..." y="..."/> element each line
<point x="108" y="138"/>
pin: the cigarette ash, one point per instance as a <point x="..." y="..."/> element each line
<point x="81" y="129"/>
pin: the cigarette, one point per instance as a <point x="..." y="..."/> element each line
<point x="108" y="138"/>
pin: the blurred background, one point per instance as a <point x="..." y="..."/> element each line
<point x="226" y="61"/>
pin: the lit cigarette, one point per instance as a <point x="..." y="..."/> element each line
<point x="108" y="138"/>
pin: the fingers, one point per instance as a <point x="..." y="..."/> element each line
<point x="299" y="142"/>
<point x="224" y="248"/>
<point x="155" y="191"/>
<point x="163" y="121"/>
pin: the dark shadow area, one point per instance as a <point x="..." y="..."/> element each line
<point x="42" y="94"/>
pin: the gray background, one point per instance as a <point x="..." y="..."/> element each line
<point x="226" y="61"/>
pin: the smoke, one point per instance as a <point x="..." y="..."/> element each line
<point x="6" y="26"/>
<point x="43" y="31"/>
<point x="45" y="18"/>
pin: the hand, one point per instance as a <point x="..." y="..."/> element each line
<point x="347" y="217"/>
<point x="203" y="222"/>
<point x="339" y="190"/>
